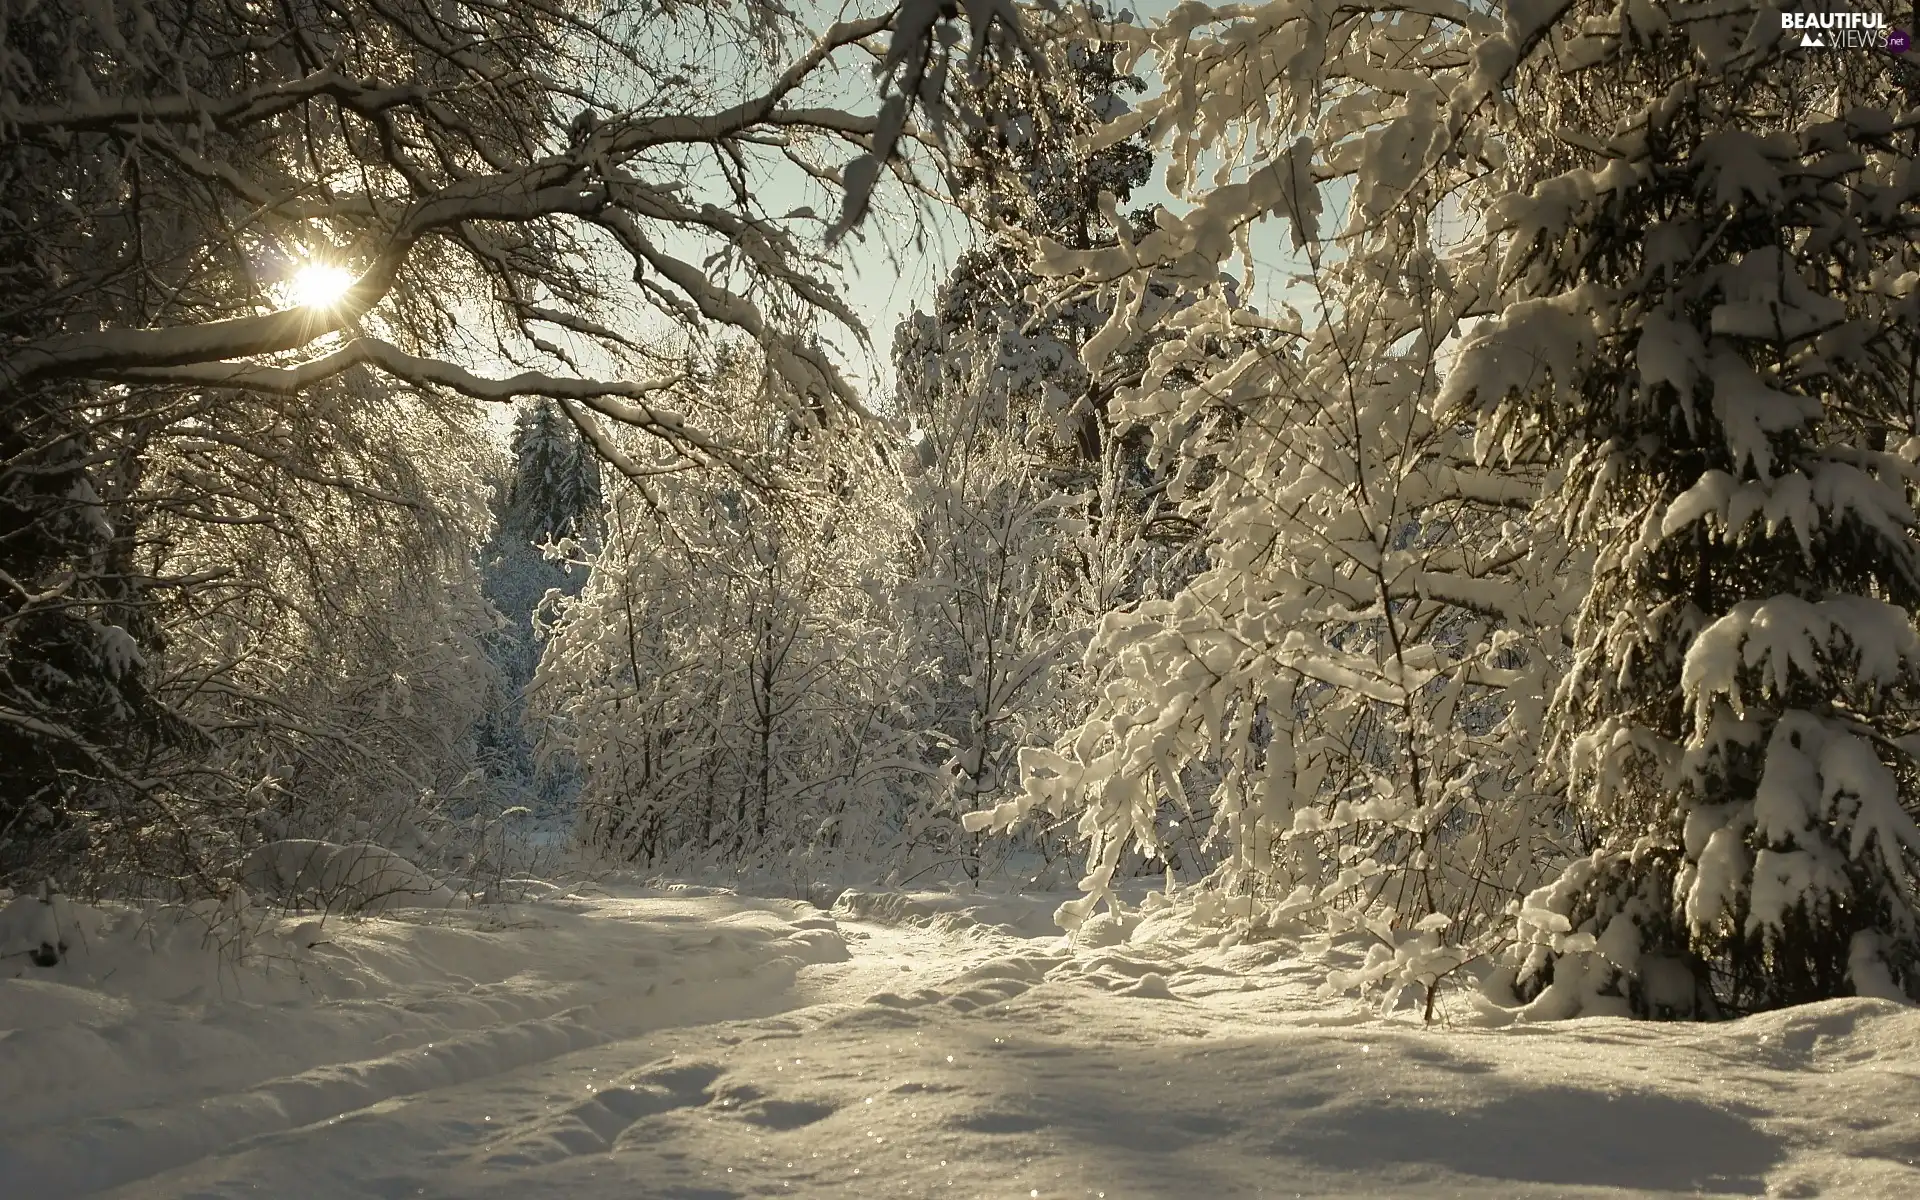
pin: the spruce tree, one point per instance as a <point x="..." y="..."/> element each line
<point x="82" y="734"/>
<point x="547" y="520"/>
<point x="1705" y="305"/>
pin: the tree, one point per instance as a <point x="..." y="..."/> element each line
<point x="998" y="352"/>
<point x="992" y="614"/>
<point x="1698" y="371"/>
<point x="322" y="614"/>
<point x="550" y="502"/>
<point x="729" y="677"/>
<point x="1703" y="303"/>
<point x="1034" y="514"/>
<point x="233" y="232"/>
<point x="76" y="699"/>
<point x="1344" y="702"/>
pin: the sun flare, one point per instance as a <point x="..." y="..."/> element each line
<point x="320" y="285"/>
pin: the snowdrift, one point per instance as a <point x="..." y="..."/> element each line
<point x="356" y="878"/>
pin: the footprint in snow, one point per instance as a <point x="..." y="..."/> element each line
<point x="917" y="999"/>
<point x="999" y="1122"/>
<point x="990" y="987"/>
<point x="914" y="1087"/>
<point x="595" y="1124"/>
<point x="1028" y="968"/>
<point x="1115" y="964"/>
<point x="782" y="1115"/>
<point x="992" y="992"/>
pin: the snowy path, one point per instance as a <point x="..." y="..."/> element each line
<point x="715" y="1047"/>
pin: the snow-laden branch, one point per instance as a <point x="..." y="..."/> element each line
<point x="592" y="180"/>
<point x="191" y="107"/>
<point x="622" y="400"/>
<point x="619" y="139"/>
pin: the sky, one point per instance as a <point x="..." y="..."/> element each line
<point x="898" y="259"/>
<point x="894" y="263"/>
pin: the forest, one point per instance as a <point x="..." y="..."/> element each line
<point x="1441" y="475"/>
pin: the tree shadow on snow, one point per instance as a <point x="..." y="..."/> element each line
<point x="1227" y="1117"/>
<point x="1554" y="1135"/>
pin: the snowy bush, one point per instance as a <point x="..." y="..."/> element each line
<point x="43" y="929"/>
<point x="356" y="878"/>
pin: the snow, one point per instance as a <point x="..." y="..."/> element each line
<point x="1785" y="635"/>
<point x="149" y="1047"/>
<point x="359" y="877"/>
<point x="626" y="1041"/>
<point x="1736" y="165"/>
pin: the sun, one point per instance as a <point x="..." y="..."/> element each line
<point x="321" y="285"/>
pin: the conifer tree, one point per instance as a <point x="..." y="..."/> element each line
<point x="85" y="743"/>
<point x="1701" y="268"/>
<point x="547" y="523"/>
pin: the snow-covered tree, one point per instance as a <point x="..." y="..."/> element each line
<point x="1701" y="268"/>
<point x="327" y="638"/>
<point x="993" y="615"/>
<point x="997" y="351"/>
<point x="1346" y="701"/>
<point x="549" y="505"/>
<point x="554" y="491"/>
<point x="1034" y="514"/>
<point x="1695" y="247"/>
<point x="728" y="679"/>
<point x="229" y="229"/>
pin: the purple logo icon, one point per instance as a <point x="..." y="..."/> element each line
<point x="1899" y="42"/>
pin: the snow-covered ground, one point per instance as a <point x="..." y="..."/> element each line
<point x="635" y="1043"/>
